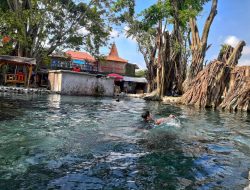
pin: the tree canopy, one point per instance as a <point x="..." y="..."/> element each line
<point x="38" y="27"/>
<point x="162" y="33"/>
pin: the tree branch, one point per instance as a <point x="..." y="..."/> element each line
<point x="209" y="21"/>
<point x="233" y="59"/>
<point x="194" y="31"/>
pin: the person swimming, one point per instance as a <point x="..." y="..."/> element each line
<point x="147" y="116"/>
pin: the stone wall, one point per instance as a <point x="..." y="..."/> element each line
<point x="79" y="83"/>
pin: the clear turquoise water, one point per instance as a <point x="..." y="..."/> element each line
<point x="63" y="142"/>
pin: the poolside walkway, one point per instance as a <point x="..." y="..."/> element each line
<point x="165" y="99"/>
<point x="22" y="90"/>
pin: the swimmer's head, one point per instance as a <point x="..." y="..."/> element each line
<point x="172" y="116"/>
<point x="146" y="116"/>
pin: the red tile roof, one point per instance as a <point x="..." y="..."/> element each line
<point x="80" y="55"/>
<point x="113" y="55"/>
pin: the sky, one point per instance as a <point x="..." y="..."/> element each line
<point x="231" y="24"/>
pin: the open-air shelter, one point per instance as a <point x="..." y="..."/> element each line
<point x="18" y="77"/>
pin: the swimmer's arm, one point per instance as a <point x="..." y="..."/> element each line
<point x="161" y="120"/>
<point x="157" y="122"/>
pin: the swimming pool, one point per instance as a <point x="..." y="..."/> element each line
<point x="66" y="142"/>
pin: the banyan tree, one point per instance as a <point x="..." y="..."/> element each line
<point x="221" y="83"/>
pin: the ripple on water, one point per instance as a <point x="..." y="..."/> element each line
<point x="63" y="142"/>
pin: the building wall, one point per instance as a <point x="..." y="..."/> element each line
<point x="130" y="70"/>
<point x="112" y="67"/>
<point x="55" y="81"/>
<point x="75" y="83"/>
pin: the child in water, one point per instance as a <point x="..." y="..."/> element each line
<point x="147" y="116"/>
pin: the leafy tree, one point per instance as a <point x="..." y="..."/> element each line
<point x="38" y="27"/>
<point x="198" y="44"/>
<point x="162" y="32"/>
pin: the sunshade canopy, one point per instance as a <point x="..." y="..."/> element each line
<point x="115" y="76"/>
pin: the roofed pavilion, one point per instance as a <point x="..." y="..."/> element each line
<point x="114" y="56"/>
<point x="21" y="76"/>
<point x="113" y="63"/>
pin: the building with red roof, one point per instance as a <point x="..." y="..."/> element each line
<point x="112" y="66"/>
<point x="74" y="60"/>
<point x="113" y="63"/>
<point x="83" y="60"/>
<point x="77" y="55"/>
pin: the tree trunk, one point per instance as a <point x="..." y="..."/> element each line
<point x="198" y="55"/>
<point x="208" y="86"/>
<point x="199" y="45"/>
<point x="165" y="66"/>
<point x="151" y="77"/>
<point x="149" y="58"/>
<point x="160" y="64"/>
<point x="178" y="57"/>
<point x="238" y="95"/>
<point x="171" y="65"/>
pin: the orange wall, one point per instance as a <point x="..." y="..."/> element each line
<point x="112" y="67"/>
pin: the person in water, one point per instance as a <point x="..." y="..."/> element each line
<point x="147" y="116"/>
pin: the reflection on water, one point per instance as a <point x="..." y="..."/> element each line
<point x="63" y="142"/>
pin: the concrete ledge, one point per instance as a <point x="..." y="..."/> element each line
<point x="21" y="90"/>
<point x="71" y="72"/>
<point x="135" y="95"/>
<point x="171" y="100"/>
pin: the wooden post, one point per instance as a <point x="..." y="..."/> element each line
<point x="1" y="64"/>
<point x="29" y="75"/>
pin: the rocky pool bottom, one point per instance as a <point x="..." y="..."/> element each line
<point x="63" y="142"/>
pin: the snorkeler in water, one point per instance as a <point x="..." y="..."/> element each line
<point x="147" y="116"/>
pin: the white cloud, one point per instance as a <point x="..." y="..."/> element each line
<point x="122" y="35"/>
<point x="244" y="62"/>
<point x="83" y="31"/>
<point x="126" y="28"/>
<point x="246" y="50"/>
<point x="130" y="38"/>
<point x="46" y="43"/>
<point x="114" y="33"/>
<point x="232" y="40"/>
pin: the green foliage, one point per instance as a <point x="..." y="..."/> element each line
<point x="126" y="10"/>
<point x="169" y="14"/>
<point x="46" y="60"/>
<point x="39" y="27"/>
<point x="156" y="13"/>
<point x="141" y="73"/>
<point x="224" y="47"/>
<point x="170" y="10"/>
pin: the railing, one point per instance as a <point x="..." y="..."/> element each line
<point x="69" y="65"/>
<point x="15" y="78"/>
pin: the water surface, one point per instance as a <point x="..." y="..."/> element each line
<point x="63" y="142"/>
